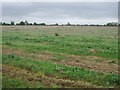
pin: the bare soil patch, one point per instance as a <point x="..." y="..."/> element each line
<point x="93" y="51"/>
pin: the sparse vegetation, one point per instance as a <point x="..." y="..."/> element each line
<point x="113" y="61"/>
<point x="99" y="60"/>
<point x="56" y="34"/>
<point x="60" y="56"/>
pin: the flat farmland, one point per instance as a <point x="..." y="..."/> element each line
<point x="60" y="56"/>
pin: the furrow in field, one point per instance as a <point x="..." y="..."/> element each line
<point x="87" y="62"/>
<point x="29" y="76"/>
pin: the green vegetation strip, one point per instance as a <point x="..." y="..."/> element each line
<point x="74" y="73"/>
<point x="102" y="41"/>
<point x="75" y="45"/>
<point x="9" y="82"/>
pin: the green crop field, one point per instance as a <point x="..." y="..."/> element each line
<point x="60" y="56"/>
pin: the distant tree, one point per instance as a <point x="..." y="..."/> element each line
<point x="97" y="25"/>
<point x="12" y="23"/>
<point x="42" y="24"/>
<point x="56" y="24"/>
<point x="109" y="24"/>
<point x="22" y="23"/>
<point x="35" y="23"/>
<point x="68" y="24"/>
<point x="72" y="24"/>
<point x="5" y="23"/>
<point x="30" y="24"/>
<point x="92" y="25"/>
<point x="26" y="22"/>
<point x="112" y="24"/>
<point x="77" y="24"/>
<point x="17" y="23"/>
<point x="85" y="25"/>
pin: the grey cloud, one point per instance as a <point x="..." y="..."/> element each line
<point x="52" y="10"/>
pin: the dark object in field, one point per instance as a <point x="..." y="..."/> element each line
<point x="56" y="34"/>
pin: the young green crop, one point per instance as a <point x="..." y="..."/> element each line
<point x="72" y="40"/>
<point x="78" y="40"/>
<point x="74" y="73"/>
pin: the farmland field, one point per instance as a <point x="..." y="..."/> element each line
<point x="60" y="56"/>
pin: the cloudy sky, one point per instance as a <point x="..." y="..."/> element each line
<point x="61" y="12"/>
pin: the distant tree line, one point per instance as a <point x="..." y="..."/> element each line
<point x="21" y="23"/>
<point x="68" y="24"/>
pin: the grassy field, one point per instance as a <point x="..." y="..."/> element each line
<point x="60" y="56"/>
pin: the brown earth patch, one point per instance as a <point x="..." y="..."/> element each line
<point x="29" y="76"/>
<point x="48" y="42"/>
<point x="93" y="51"/>
<point x="87" y="62"/>
<point x="91" y="63"/>
<point x="45" y="42"/>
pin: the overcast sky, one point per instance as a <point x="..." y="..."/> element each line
<point x="61" y="12"/>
